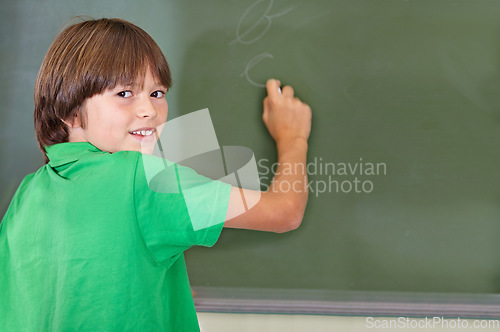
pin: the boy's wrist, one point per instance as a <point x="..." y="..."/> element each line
<point x="292" y="144"/>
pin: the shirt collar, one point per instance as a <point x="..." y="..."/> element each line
<point x="64" y="153"/>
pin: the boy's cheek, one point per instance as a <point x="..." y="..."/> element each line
<point x="159" y="129"/>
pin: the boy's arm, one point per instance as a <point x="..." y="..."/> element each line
<point x="281" y="208"/>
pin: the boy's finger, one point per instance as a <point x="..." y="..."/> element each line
<point x="273" y="87"/>
<point x="288" y="91"/>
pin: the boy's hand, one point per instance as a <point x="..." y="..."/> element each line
<point x="285" y="116"/>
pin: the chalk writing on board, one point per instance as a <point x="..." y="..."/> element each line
<point x="266" y="18"/>
<point x="255" y="60"/>
<point x="264" y="23"/>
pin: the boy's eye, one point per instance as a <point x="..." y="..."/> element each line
<point x="125" y="94"/>
<point x="158" y="94"/>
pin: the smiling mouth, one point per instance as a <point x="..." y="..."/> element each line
<point x="144" y="135"/>
<point x="143" y="132"/>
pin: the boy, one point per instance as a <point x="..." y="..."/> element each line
<point x="85" y="244"/>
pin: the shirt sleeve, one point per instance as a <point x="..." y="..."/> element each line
<point x="176" y="208"/>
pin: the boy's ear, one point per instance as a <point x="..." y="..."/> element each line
<point x="75" y="122"/>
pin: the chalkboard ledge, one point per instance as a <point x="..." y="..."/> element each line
<point x="346" y="303"/>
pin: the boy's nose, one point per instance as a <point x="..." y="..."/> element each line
<point x="146" y="109"/>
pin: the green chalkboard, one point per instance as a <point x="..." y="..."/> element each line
<point x="404" y="151"/>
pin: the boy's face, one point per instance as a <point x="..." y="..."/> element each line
<point x="124" y="118"/>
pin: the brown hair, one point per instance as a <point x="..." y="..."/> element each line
<point x="85" y="59"/>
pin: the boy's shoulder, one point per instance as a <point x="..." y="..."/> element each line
<point x="74" y="168"/>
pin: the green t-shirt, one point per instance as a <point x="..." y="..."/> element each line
<point x="86" y="245"/>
